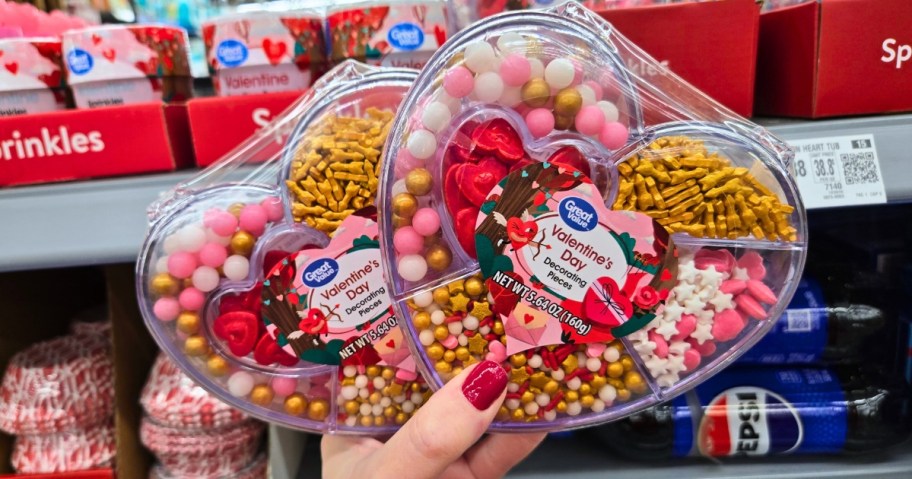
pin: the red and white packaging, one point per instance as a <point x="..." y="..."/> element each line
<point x="31" y="76"/>
<point x="62" y="385"/>
<point x="80" y="144"/>
<point x="203" y="452"/>
<point x="265" y="52"/>
<point x="93" y="448"/>
<point x="127" y="64"/>
<point x="724" y="34"/>
<point x="835" y="58"/>
<point x="255" y="470"/>
<point x="219" y="124"/>
<point x="396" y="34"/>
<point x="172" y="399"/>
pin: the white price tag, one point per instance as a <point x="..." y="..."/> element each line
<point x="838" y="171"/>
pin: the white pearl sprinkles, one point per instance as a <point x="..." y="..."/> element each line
<point x="436" y="116"/>
<point x="479" y="56"/>
<point x="488" y="87"/>
<point x="559" y="73"/>
<point x="422" y="144"/>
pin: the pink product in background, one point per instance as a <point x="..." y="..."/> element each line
<point x="127" y="64"/>
<point x="265" y="53"/>
<point x="401" y="35"/>
<point x="31" y="80"/>
<point x="23" y="19"/>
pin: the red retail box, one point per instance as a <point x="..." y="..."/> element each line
<point x="219" y="124"/>
<point x="80" y="144"/>
<point x="712" y="45"/>
<point x="836" y="57"/>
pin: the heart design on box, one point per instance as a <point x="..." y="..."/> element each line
<point x="109" y="53"/>
<point x="239" y="329"/>
<point x="274" y="50"/>
<point x="12" y="67"/>
<point x="478" y="156"/>
<point x="96" y="39"/>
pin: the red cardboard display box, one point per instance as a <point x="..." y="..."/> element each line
<point x="712" y="45"/>
<point x="219" y="124"/>
<point x="81" y="144"/>
<point x="835" y="58"/>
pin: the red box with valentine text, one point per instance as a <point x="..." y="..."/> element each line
<point x="219" y="124"/>
<point x="81" y="144"/>
<point x="835" y="58"/>
<point x="712" y="45"/>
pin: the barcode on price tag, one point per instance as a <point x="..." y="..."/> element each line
<point x="838" y="171"/>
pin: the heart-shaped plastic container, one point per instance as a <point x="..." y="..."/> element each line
<point x="216" y="279"/>
<point x="606" y="264"/>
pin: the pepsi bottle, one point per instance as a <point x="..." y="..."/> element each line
<point x="817" y="328"/>
<point x="762" y="412"/>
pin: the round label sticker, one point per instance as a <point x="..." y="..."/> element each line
<point x="332" y="305"/>
<point x="564" y="268"/>
<point x="80" y="61"/>
<point x="405" y="36"/>
<point x="231" y="53"/>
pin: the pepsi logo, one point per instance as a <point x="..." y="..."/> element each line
<point x="749" y="421"/>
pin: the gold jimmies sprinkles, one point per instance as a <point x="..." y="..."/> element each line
<point x="335" y="168"/>
<point x="687" y="189"/>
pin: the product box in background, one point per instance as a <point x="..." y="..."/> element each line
<point x="265" y="52"/>
<point x="31" y="80"/>
<point x="127" y="64"/>
<point x="723" y="33"/>
<point x="81" y="144"/>
<point x="398" y="34"/>
<point x="834" y="58"/>
<point x="218" y="125"/>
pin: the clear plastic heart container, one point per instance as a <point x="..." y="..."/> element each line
<point x="217" y="281"/>
<point x="611" y="240"/>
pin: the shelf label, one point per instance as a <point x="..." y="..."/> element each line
<point x="838" y="171"/>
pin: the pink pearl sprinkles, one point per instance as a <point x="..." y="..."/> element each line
<point x="715" y="299"/>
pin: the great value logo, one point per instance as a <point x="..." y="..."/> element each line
<point x="80" y="61"/>
<point x="578" y="214"/>
<point x="406" y="36"/>
<point x="749" y="421"/>
<point x="320" y="272"/>
<point x="231" y="53"/>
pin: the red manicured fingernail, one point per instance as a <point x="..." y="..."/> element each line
<point x="484" y="384"/>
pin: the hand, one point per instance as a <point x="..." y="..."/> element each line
<point x="440" y="439"/>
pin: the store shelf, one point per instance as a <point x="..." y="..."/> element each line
<point x="891" y="137"/>
<point x="74" y="224"/>
<point x="579" y="458"/>
<point x="103" y="221"/>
